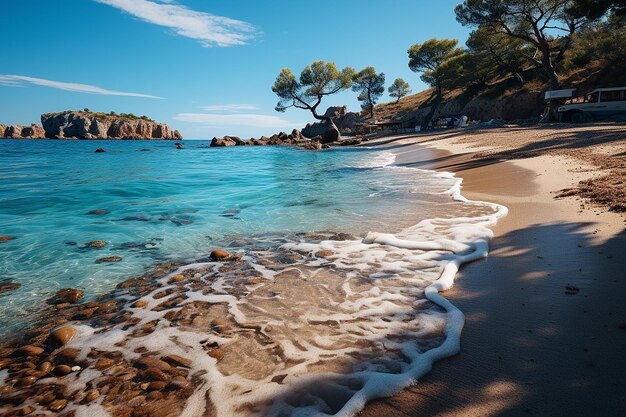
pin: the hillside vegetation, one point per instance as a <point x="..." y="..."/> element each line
<point x="498" y="75"/>
<point x="111" y="115"/>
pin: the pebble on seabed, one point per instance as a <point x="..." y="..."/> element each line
<point x="61" y="337"/>
<point x="219" y="254"/>
<point x="109" y="259"/>
<point x="66" y="295"/>
<point x="9" y="286"/>
<point x="96" y="244"/>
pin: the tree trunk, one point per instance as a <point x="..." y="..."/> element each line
<point x="555" y="84"/>
<point x="322" y="118"/>
<point x="546" y="61"/>
<point x="433" y="107"/>
<point x="325" y="119"/>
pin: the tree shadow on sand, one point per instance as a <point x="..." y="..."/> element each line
<point x="528" y="348"/>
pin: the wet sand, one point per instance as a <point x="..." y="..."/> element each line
<point x="530" y="346"/>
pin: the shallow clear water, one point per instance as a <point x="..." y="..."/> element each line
<point x="294" y="324"/>
<point x="168" y="204"/>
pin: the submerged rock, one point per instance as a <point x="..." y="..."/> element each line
<point x="66" y="295"/>
<point x="230" y="212"/>
<point x="9" y="286"/>
<point x="96" y="244"/>
<point x="109" y="259"/>
<point x="137" y="218"/>
<point x="342" y="236"/>
<point x="98" y="212"/>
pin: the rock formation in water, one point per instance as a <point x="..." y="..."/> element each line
<point x="343" y="119"/>
<point x="21" y="132"/>
<point x="89" y="125"/>
<point x="296" y="138"/>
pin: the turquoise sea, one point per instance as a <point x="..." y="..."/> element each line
<point x="331" y="300"/>
<point x="166" y="204"/>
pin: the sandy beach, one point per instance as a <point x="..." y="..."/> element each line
<point x="545" y="314"/>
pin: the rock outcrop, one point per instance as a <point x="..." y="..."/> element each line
<point x="296" y="138"/>
<point x="513" y="108"/>
<point x="87" y="125"/>
<point x="22" y="132"/>
<point x="344" y="120"/>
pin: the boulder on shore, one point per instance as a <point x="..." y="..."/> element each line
<point x="331" y="135"/>
<point x="343" y="120"/>
<point x="89" y="125"/>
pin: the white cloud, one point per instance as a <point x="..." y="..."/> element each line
<point x="18" y="80"/>
<point x="244" y="119"/>
<point x="209" y="29"/>
<point x="230" y="107"/>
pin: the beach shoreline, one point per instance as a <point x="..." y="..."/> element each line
<point x="544" y="312"/>
<point x="550" y="290"/>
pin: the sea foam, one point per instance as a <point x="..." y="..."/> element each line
<point x="311" y="326"/>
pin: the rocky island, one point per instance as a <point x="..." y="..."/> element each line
<point x="86" y="124"/>
<point x="91" y="125"/>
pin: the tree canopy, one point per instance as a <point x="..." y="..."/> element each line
<point x="399" y="89"/>
<point x="371" y="86"/>
<point x="428" y="58"/>
<point x="595" y="9"/>
<point x="316" y="81"/>
<point x="547" y="25"/>
<point x="507" y="53"/>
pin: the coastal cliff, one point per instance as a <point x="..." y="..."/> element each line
<point x="90" y="125"/>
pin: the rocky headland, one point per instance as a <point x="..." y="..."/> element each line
<point x="90" y="125"/>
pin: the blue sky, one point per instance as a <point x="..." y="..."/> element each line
<point x="205" y="67"/>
